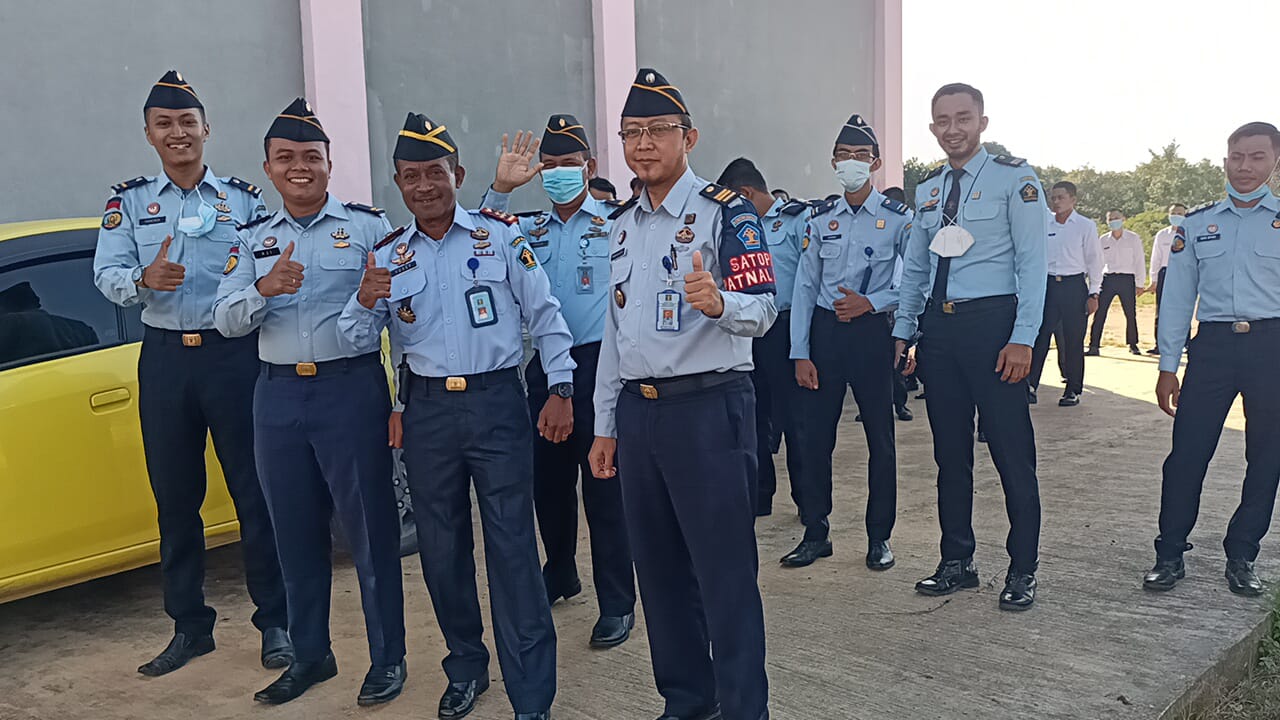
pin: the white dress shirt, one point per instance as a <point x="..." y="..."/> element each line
<point x="1160" y="252"/>
<point x="1074" y="249"/>
<point x="1123" y="255"/>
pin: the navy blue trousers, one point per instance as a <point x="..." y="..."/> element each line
<point x="777" y="410"/>
<point x="687" y="466"/>
<point x="322" y="449"/>
<point x="1222" y="365"/>
<point x="482" y="436"/>
<point x="184" y="394"/>
<point x="556" y="469"/>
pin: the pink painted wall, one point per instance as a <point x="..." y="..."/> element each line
<point x="888" y="90"/>
<point x="614" y="25"/>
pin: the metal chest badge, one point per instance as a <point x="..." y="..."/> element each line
<point x="406" y="313"/>
<point x="403" y="254"/>
<point x="340" y="235"/>
<point x="685" y="235"/>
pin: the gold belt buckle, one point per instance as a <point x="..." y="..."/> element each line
<point x="192" y="339"/>
<point x="1240" y="327"/>
<point x="1057" y="278"/>
<point x="305" y="369"/>
<point x="455" y="384"/>
<point x="949" y="308"/>
<point x="649" y="392"/>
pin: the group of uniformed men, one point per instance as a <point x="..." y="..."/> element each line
<point x="648" y="318"/>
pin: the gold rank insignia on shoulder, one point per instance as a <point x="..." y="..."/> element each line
<point x="403" y="254"/>
<point x="480" y="234"/>
<point x="222" y="207"/>
<point x="690" y="218"/>
<point x="619" y="298"/>
<point x="222" y="194"/>
<point x="339" y="234"/>
<point x="406" y="314"/>
<point x="685" y="235"/>
<point x="880" y="224"/>
<point x="597" y="220"/>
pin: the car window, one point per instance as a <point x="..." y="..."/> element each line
<point x="50" y="308"/>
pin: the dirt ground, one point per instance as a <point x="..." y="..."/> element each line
<point x="843" y="642"/>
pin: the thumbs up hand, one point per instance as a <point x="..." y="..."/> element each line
<point x="700" y="290"/>
<point x="375" y="284"/>
<point x="285" y="277"/>
<point x="161" y="274"/>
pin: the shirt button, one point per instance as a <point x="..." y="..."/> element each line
<point x="304" y="298"/>
<point x="306" y="334"/>
<point x="448" y="321"/>
<point x="342" y="262"/>
<point x="440" y="253"/>
<point x="452" y="356"/>
<point x="559" y="283"/>
<point x="444" y="287"/>
<point x="305" y="234"/>
<point x="187" y="291"/>
<point x="644" y="266"/>
<point x="653" y="227"/>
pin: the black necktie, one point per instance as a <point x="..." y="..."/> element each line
<point x="949" y="211"/>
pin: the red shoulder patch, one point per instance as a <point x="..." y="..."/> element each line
<point x="502" y="217"/>
<point x="391" y="237"/>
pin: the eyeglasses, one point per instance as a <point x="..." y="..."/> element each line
<point x="656" y="132"/>
<point x="860" y="155"/>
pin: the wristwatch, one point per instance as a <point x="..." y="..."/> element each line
<point x="564" y="390"/>
<point x="1093" y="296"/>
<point x="136" y="276"/>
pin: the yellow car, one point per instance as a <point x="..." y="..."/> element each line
<point x="75" y="503"/>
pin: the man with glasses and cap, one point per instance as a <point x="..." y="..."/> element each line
<point x="455" y="287"/>
<point x="572" y="245"/>
<point x="163" y="243"/>
<point x="321" y="406"/>
<point x="692" y="283"/>
<point x="840" y="325"/>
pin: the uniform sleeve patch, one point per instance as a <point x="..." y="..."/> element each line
<point x="749" y="270"/>
<point x="112" y="220"/>
<point x="741" y="218"/>
<point x="748" y="234"/>
<point x="528" y="259"/>
<point x="113" y="204"/>
<point x="1029" y="193"/>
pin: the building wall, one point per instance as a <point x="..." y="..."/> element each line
<point x="77" y="73"/>
<point x="479" y="67"/>
<point x="779" y="104"/>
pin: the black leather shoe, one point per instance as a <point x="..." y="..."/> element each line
<point x="879" y="556"/>
<point x="1031" y="396"/>
<point x="459" y="698"/>
<point x="1134" y="350"/>
<point x="383" y="683"/>
<point x="297" y="679"/>
<point x="950" y="576"/>
<point x="557" y="591"/>
<point x="544" y="715"/>
<point x="1092" y="352"/>
<point x="708" y="715"/>
<point x="807" y="552"/>
<point x="181" y="649"/>
<point x="1019" y="591"/>
<point x="905" y="415"/>
<point x="1069" y="399"/>
<point x="1241" y="579"/>
<point x="1166" y="573"/>
<point x="1154" y="351"/>
<point x="612" y="630"/>
<point x="277" y="649"/>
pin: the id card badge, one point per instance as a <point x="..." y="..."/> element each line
<point x="668" y="311"/>
<point x="480" y="306"/>
<point x="586" y="284"/>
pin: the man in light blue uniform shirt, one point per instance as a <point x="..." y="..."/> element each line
<point x="455" y="288"/>
<point x="163" y="243"/>
<point x="1227" y="255"/>
<point x="843" y="303"/>
<point x="777" y="395"/>
<point x="571" y="243"/>
<point x="977" y="255"/>
<point x="321" y="406"/>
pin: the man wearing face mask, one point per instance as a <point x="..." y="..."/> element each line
<point x="843" y="298"/>
<point x="1123" y="255"/>
<point x="1160" y="261"/>
<point x="1226" y="255"/>
<point x="321" y="415"/>
<point x="572" y="245"/>
<point x="163" y="243"/>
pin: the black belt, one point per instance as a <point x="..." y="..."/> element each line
<point x="185" y="338"/>
<point x="1060" y="278"/>
<point x="462" y="383"/>
<point x="1243" y="327"/>
<point x="328" y="367"/>
<point x="654" y="388"/>
<point x="963" y="306"/>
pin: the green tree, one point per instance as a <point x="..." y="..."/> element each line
<point x="1167" y="177"/>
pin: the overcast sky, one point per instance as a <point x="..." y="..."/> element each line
<point x="1095" y="82"/>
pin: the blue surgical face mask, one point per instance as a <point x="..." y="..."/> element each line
<point x="563" y="184"/>
<point x="1115" y="224"/>
<point x="853" y="174"/>
<point x="1176" y="220"/>
<point x="1261" y="192"/>
<point x="200" y="223"/>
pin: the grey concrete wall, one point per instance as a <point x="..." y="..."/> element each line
<point x="479" y="67"/>
<point x="773" y="81"/>
<point x="77" y="72"/>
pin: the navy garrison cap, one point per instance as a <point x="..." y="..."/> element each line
<point x="422" y="139"/>
<point x="172" y="93"/>
<point x="564" y="135"/>
<point x="652" y="95"/>
<point x="857" y="132"/>
<point x="298" y="123"/>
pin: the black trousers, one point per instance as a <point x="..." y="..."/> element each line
<point x="958" y="354"/>
<point x="858" y="355"/>
<point x="556" y="470"/>
<point x="482" y="437"/>
<point x="1125" y="287"/>
<point x="184" y="394"/>
<point x="1159" y="294"/>
<point x="1064" y="304"/>
<point x="689" y="501"/>
<point x="1221" y="365"/>
<point x="777" y="408"/>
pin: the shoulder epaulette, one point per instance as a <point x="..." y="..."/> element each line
<point x="894" y="206"/>
<point x="720" y="194"/>
<point x="502" y="217"/>
<point x="391" y="236"/>
<point x="244" y="185"/>
<point x="1201" y="208"/>
<point x="362" y="207"/>
<point x="936" y="172"/>
<point x="615" y="203"/>
<point x="256" y="221"/>
<point x="1010" y="160"/>
<point x="127" y="184"/>
<point x="794" y="207"/>
<point x="823" y="207"/>
<point x="622" y="208"/>
<point x="531" y="213"/>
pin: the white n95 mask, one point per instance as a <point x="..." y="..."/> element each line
<point x="951" y="241"/>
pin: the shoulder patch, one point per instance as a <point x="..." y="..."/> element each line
<point x="391" y="236"/>
<point x="502" y="217"/>
<point x="794" y="207"/>
<point x="1010" y="160"/>
<point x="363" y="208"/>
<point x="719" y="194"/>
<point x="623" y="207"/>
<point x="256" y="221"/>
<point x="130" y="184"/>
<point x="1201" y="208"/>
<point x="823" y="207"/>
<point x="894" y="206"/>
<point x="244" y="185"/>
<point x="936" y="172"/>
